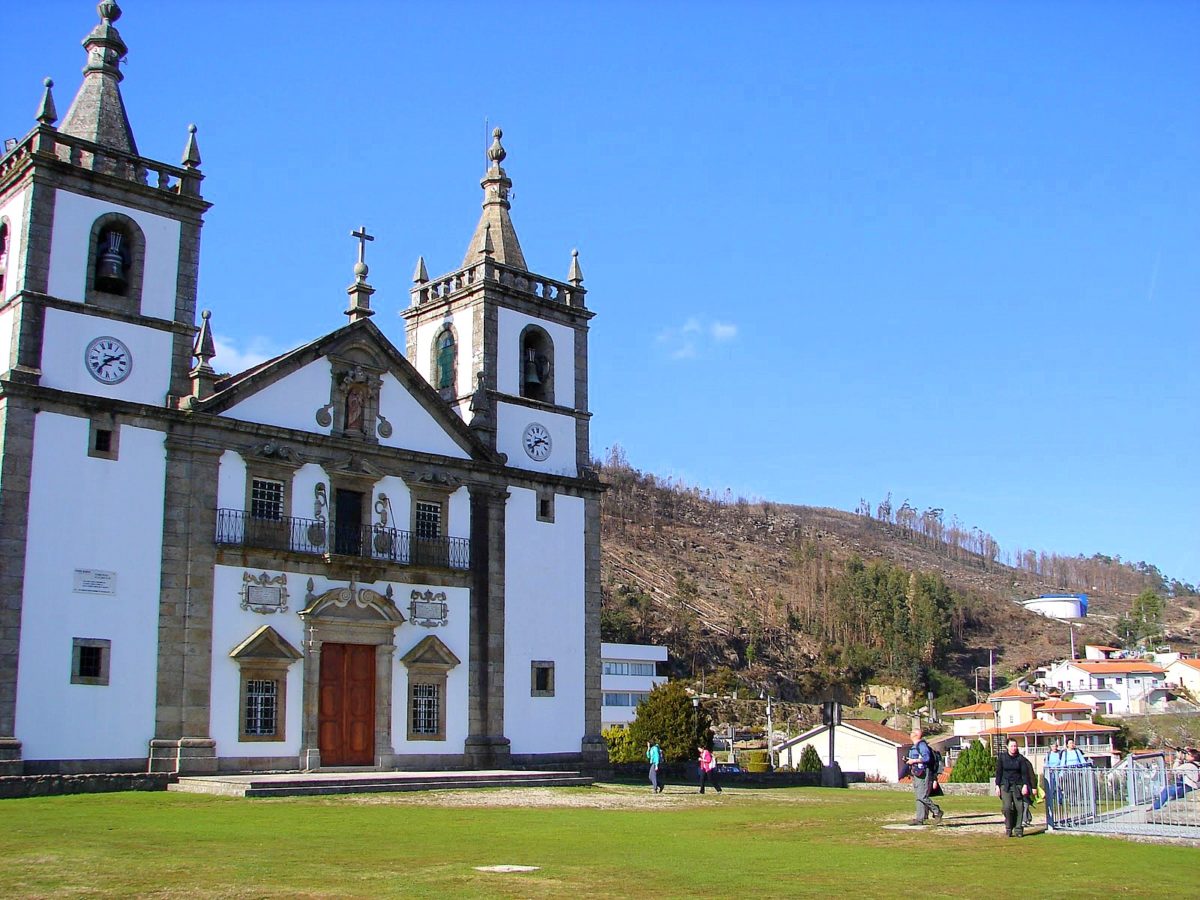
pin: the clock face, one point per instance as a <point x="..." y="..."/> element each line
<point x="108" y="360"/>
<point x="537" y="441"/>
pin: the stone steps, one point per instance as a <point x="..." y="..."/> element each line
<point x="307" y="784"/>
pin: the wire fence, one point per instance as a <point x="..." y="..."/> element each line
<point x="1136" y="797"/>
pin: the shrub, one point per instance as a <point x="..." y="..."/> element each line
<point x="668" y="715"/>
<point x="976" y="764"/>
<point x="621" y="747"/>
<point x="810" y="760"/>
<point x="758" y="761"/>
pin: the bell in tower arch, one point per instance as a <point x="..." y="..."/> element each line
<point x="533" y="378"/>
<point x="112" y="263"/>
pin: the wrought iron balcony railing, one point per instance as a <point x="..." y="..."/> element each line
<point x="236" y="528"/>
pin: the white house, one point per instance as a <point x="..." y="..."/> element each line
<point x="1035" y="723"/>
<point x="1186" y="674"/>
<point x="859" y="745"/>
<point x="1118" y="687"/>
<point x="628" y="673"/>
<point x="371" y="551"/>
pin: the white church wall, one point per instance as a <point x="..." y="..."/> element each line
<point x="291" y="402"/>
<point x="74" y="216"/>
<point x="455" y="634"/>
<point x="6" y="333"/>
<point x="544" y="604"/>
<point x="231" y="481"/>
<point x="413" y="428"/>
<point x="13" y="210"/>
<point x="64" y="345"/>
<point x="464" y="331"/>
<point x="508" y="363"/>
<point x="231" y="626"/>
<point x="511" y="421"/>
<point x="106" y="515"/>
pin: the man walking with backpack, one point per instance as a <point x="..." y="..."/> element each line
<point x="922" y="766"/>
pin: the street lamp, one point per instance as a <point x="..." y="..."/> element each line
<point x="997" y="737"/>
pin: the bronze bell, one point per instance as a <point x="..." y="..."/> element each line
<point x="532" y="376"/>
<point x="110" y="267"/>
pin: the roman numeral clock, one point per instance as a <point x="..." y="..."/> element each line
<point x="108" y="360"/>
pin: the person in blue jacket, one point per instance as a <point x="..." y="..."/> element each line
<point x="655" y="755"/>
<point x="918" y="761"/>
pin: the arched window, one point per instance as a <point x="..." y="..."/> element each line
<point x="115" y="262"/>
<point x="536" y="370"/>
<point x="3" y="255"/>
<point x="445" y="369"/>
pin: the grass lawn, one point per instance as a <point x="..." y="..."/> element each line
<point x="606" y="841"/>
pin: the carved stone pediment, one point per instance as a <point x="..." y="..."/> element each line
<point x="430" y="652"/>
<point x="274" y="452"/>
<point x="352" y="602"/>
<point x="265" y="644"/>
<point x="355" y="466"/>
<point x="434" y="480"/>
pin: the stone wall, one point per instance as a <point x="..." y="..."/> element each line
<point x="12" y="786"/>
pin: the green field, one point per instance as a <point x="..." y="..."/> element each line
<point x="610" y="841"/>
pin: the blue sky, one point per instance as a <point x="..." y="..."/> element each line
<point x="946" y="250"/>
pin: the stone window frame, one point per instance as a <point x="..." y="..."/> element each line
<point x="432" y="495"/>
<point x="449" y="392"/>
<point x="428" y="663"/>
<point x="544" y="665"/>
<point x="529" y="334"/>
<point x="264" y="656"/>
<point x="264" y="670"/>
<point x="278" y="536"/>
<point x="104" y="423"/>
<point x="544" y="503"/>
<point x="105" y="646"/>
<point x="131" y="301"/>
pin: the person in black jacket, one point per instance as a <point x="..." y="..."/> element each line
<point x="1014" y="787"/>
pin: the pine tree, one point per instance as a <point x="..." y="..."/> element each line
<point x="976" y="764"/>
<point x="810" y="760"/>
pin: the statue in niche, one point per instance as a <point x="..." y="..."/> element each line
<point x="354" y="408"/>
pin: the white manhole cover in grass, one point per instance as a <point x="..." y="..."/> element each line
<point x="507" y="868"/>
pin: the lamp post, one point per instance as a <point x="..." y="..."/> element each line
<point x="997" y="736"/>
<point x="696" y="717"/>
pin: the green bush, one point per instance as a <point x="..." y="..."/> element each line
<point x="667" y="715"/>
<point x="975" y="765"/>
<point x="810" y="760"/>
<point x="758" y="761"/>
<point x="621" y="747"/>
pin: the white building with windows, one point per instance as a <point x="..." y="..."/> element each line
<point x="374" y="550"/>
<point x="629" y="672"/>
<point x="1118" y="687"/>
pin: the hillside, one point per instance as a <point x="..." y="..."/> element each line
<point x="763" y="589"/>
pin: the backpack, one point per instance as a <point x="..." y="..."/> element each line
<point x="934" y="766"/>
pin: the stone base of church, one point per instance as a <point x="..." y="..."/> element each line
<point x="10" y="757"/>
<point x="487" y="752"/>
<point x="185" y="756"/>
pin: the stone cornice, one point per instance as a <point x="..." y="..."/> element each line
<point x="81" y="308"/>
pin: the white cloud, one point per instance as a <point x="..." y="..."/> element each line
<point x="723" y="331"/>
<point x="232" y="360"/>
<point x="694" y="337"/>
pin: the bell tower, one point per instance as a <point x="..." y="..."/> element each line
<point x="102" y="243"/>
<point x="505" y="347"/>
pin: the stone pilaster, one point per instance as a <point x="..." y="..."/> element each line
<point x="16" y="453"/>
<point x="186" y="284"/>
<point x="486" y="745"/>
<point x="181" y="740"/>
<point x="310" y="749"/>
<point x="595" y="751"/>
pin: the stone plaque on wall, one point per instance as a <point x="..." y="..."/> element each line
<point x="95" y="581"/>
<point x="264" y="594"/>
<point x="428" y="609"/>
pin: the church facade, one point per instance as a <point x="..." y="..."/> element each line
<point x="352" y="555"/>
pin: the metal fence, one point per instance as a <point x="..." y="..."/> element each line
<point x="1142" y="797"/>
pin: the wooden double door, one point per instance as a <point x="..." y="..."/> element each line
<point x="346" y="711"/>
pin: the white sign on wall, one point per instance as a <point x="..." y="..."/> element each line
<point x="95" y="581"/>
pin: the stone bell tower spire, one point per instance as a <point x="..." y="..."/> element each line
<point x="98" y="114"/>
<point x="496" y="185"/>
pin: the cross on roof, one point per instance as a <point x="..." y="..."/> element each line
<point x="363" y="237"/>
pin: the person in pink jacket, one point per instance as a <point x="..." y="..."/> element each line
<point x="708" y="769"/>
